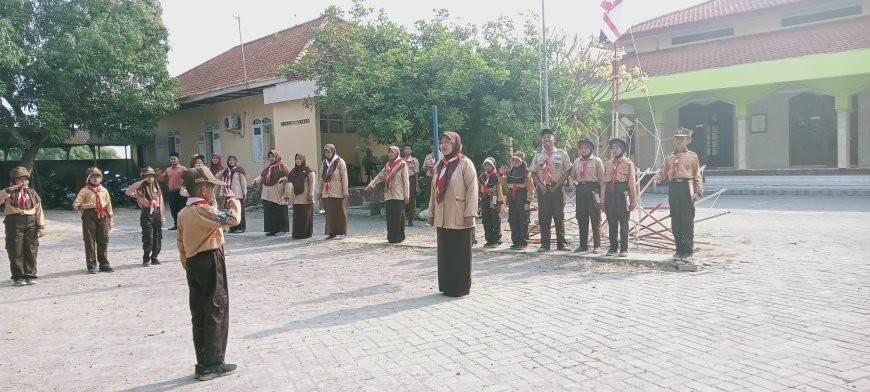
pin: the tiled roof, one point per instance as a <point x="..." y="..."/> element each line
<point x="263" y="56"/>
<point x="713" y="9"/>
<point x="847" y="34"/>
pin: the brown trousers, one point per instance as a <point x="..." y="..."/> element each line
<point x="96" y="235"/>
<point x="152" y="234"/>
<point x="22" y="243"/>
<point x="411" y="207"/>
<point x="209" y="305"/>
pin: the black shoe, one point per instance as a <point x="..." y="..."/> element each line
<point x="107" y="269"/>
<point x="513" y="247"/>
<point x="92" y="270"/>
<point x="410" y="223"/>
<point x="521" y="247"/>
<point x="329" y="237"/>
<point x="677" y="256"/>
<point x="561" y="248"/>
<point x="270" y="234"/>
<point x="688" y="257"/>
<point x="581" y="250"/>
<point x="215" y="371"/>
<point x="543" y="249"/>
<point x="154" y="261"/>
<point x="173" y="228"/>
<point x="146" y="262"/>
<point x="623" y="253"/>
<point x="19" y="282"/>
<point x="610" y="252"/>
<point x="489" y="245"/>
<point x="197" y="370"/>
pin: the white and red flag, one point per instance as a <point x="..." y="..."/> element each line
<point x="615" y="20"/>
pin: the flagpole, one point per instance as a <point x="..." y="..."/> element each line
<point x="614" y="94"/>
<point x="546" y="66"/>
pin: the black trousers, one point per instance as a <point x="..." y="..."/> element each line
<point x="176" y="203"/>
<point x="518" y="217"/>
<point x="411" y="207"/>
<point x="551" y="206"/>
<point x="395" y="212"/>
<point x="152" y="234"/>
<point x="95" y="231"/>
<point x="454" y="261"/>
<point x="209" y="305"/>
<point x="491" y="221"/>
<point x="242" y="225"/>
<point x="617" y="216"/>
<point x="682" y="216"/>
<point x="588" y="214"/>
<point x="276" y="217"/>
<point x="22" y="243"/>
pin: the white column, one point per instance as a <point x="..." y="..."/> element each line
<point x="741" y="142"/>
<point x="842" y="138"/>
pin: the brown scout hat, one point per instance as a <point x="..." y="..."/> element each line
<point x="587" y="141"/>
<point x="199" y="175"/>
<point x="19" y="172"/>
<point x="197" y="155"/>
<point x="620" y="141"/>
<point x="519" y="155"/>
<point x="148" y="171"/>
<point x="94" y="171"/>
<point x="683" y="132"/>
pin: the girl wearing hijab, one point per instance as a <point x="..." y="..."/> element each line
<point x="618" y="195"/>
<point x="333" y="193"/>
<point x="519" y="198"/>
<point x="303" y="181"/>
<point x="492" y="198"/>
<point x="397" y="193"/>
<point x="275" y="195"/>
<point x="237" y="183"/>
<point x="452" y="209"/>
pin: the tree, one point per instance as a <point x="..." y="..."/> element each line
<point x="76" y="153"/>
<point x="485" y="81"/>
<point x="96" y="65"/>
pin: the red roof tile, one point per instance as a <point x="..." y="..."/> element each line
<point x="713" y="9"/>
<point x="263" y="56"/>
<point x="847" y="34"/>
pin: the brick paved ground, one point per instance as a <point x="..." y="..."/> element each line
<point x="782" y="304"/>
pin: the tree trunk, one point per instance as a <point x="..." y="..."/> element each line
<point x="29" y="155"/>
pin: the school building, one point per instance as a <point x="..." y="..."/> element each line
<point x="776" y="91"/>
<point x="244" y="107"/>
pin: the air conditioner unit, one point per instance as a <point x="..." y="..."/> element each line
<point x="232" y="123"/>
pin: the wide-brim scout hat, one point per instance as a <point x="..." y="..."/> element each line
<point x="547" y="131"/>
<point x="199" y="175"/>
<point x="148" y="171"/>
<point x="197" y="155"/>
<point x="587" y="141"/>
<point x="94" y="172"/>
<point x="519" y="155"/>
<point x="489" y="160"/>
<point x="618" y="140"/>
<point x="683" y="132"/>
<point x="19" y="172"/>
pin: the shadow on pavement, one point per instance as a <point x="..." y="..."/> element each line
<point x="347" y="316"/>
<point x="164" y="385"/>
<point x="383" y="288"/>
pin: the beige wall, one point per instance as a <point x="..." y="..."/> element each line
<point x="291" y="139"/>
<point x="770" y="150"/>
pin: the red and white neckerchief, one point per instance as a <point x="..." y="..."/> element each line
<point x="96" y="189"/>
<point x="269" y="171"/>
<point x="328" y="165"/>
<point x="675" y="164"/>
<point x="152" y="203"/>
<point x="613" y="173"/>
<point x="22" y="197"/>
<point x="196" y="201"/>
<point x="391" y="166"/>
<point x="228" y="177"/>
<point x="548" y="170"/>
<point x="583" y="168"/>
<point x="441" y="176"/>
<point x="488" y="174"/>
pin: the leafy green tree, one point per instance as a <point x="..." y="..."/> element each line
<point x="98" y="65"/>
<point x="485" y="81"/>
<point x="76" y="153"/>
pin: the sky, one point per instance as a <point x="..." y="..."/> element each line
<point x="202" y="29"/>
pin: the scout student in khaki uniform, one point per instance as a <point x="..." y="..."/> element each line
<point x="519" y="198"/>
<point x="95" y="205"/>
<point x="587" y="172"/>
<point x="25" y="224"/>
<point x="492" y="200"/>
<point x="201" y="249"/>
<point x="333" y="193"/>
<point x="149" y="198"/>
<point x="396" y="193"/>
<point x="452" y="209"/>
<point x="413" y="182"/>
<point x="682" y="170"/>
<point x="618" y="195"/>
<point x="551" y="167"/>
<point x="172" y="176"/>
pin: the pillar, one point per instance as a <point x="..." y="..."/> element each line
<point x="842" y="138"/>
<point x="742" y="122"/>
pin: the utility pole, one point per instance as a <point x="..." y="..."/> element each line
<point x="242" y="43"/>
<point x="546" y="66"/>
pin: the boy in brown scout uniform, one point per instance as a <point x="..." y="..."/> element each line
<point x="150" y="199"/>
<point x="200" y="247"/>
<point x="491" y="202"/>
<point x="519" y="198"/>
<point x="25" y="224"/>
<point x="587" y="172"/>
<point x="95" y="205"/>
<point x="618" y="195"/>
<point x="550" y="167"/>
<point x="682" y="170"/>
